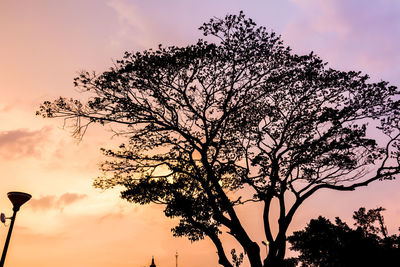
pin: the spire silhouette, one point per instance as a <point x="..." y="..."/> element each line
<point x="152" y="262"/>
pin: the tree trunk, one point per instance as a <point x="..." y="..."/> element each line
<point x="253" y="254"/>
<point x="276" y="252"/>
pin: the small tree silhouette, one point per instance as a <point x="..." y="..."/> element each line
<point x="322" y="243"/>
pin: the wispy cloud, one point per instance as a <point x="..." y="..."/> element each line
<point x="132" y="26"/>
<point x="353" y="34"/>
<point x="43" y="203"/>
<point x="20" y="143"/>
<point x="128" y="13"/>
<point x="53" y="202"/>
<point x="323" y="17"/>
<point x="69" y="198"/>
<point x="5" y="107"/>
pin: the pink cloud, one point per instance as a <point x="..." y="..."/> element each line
<point x="5" y="107"/>
<point x="69" y="198"/>
<point x="52" y="202"/>
<point x="21" y="143"/>
<point x="42" y="203"/>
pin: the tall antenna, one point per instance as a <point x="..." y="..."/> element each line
<point x="176" y="257"/>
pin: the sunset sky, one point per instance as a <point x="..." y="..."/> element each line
<point x="45" y="43"/>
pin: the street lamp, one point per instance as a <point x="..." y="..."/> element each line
<point x="17" y="199"/>
<point x="266" y="246"/>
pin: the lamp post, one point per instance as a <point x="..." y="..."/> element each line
<point x="17" y="199"/>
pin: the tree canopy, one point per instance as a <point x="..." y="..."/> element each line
<point x="209" y="124"/>
<point x="323" y="243"/>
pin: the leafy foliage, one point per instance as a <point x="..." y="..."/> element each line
<point x="209" y="121"/>
<point x="323" y="243"/>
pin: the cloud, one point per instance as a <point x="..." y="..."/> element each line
<point x="132" y="26"/>
<point x="111" y="216"/>
<point x="127" y="13"/>
<point x="350" y="34"/>
<point x="139" y="24"/>
<point x="42" y="203"/>
<point x="323" y="17"/>
<point x="69" y="198"/>
<point x="53" y="202"/>
<point x="21" y="143"/>
<point x="5" y="107"/>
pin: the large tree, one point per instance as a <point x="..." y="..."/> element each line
<point x="234" y="120"/>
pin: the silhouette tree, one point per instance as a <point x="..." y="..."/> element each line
<point x="323" y="243"/>
<point x="211" y="123"/>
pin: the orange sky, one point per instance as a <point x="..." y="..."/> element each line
<point x="44" y="44"/>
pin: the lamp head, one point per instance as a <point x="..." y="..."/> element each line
<point x="18" y="199"/>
